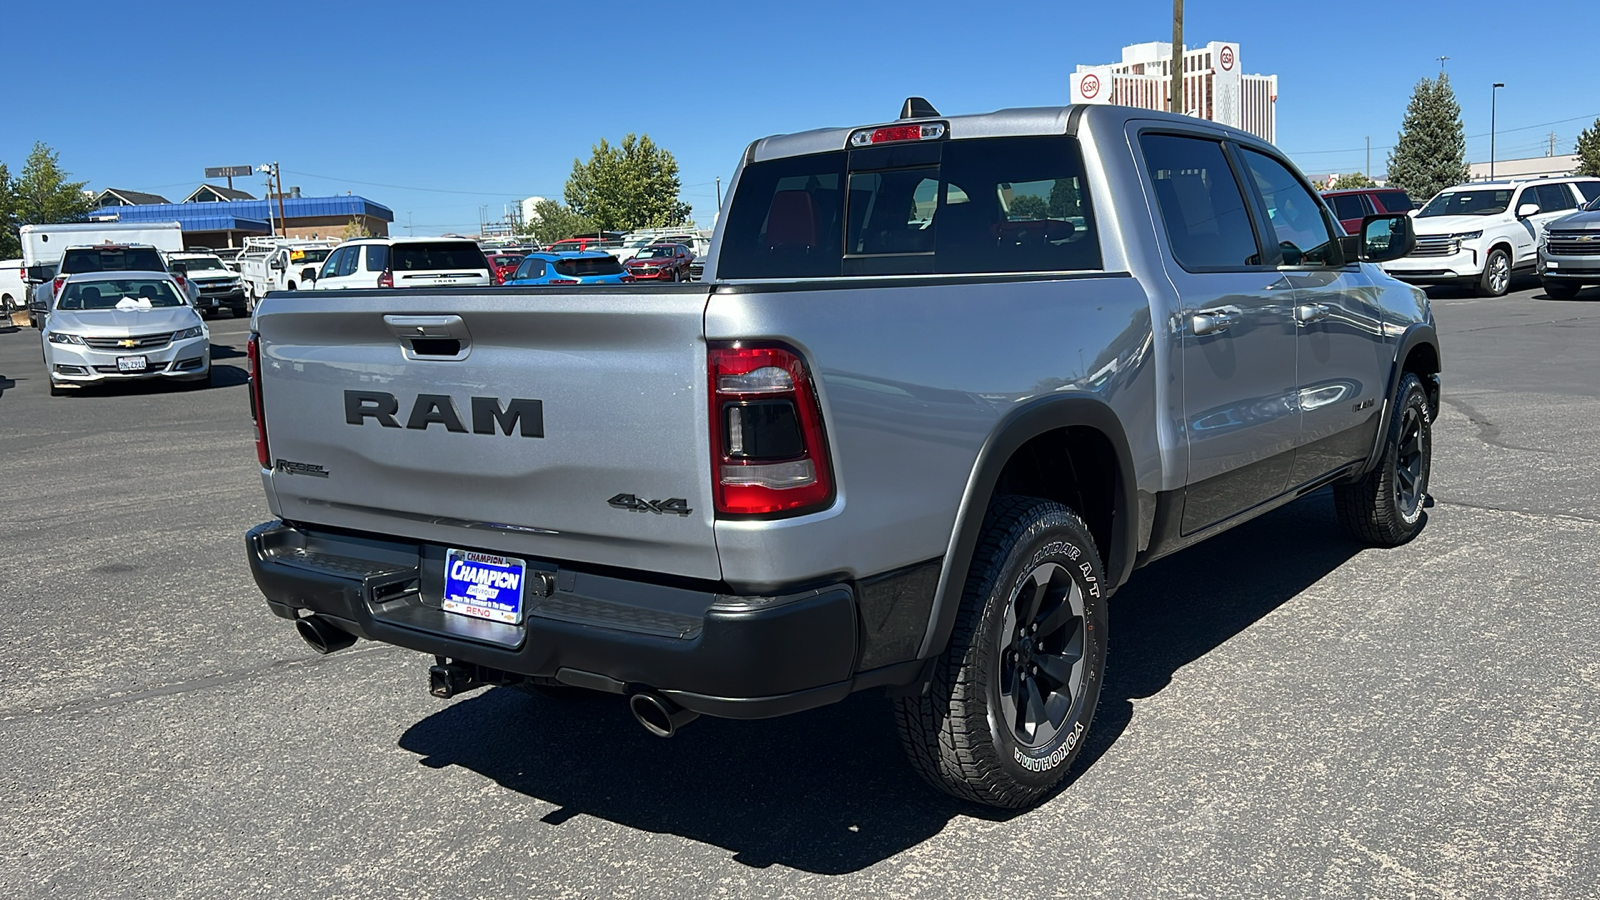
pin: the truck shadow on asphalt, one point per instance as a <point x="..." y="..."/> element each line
<point x="829" y="791"/>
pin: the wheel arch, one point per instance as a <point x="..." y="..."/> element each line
<point x="1418" y="354"/>
<point x="1086" y="437"/>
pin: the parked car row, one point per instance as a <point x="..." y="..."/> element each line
<point x="1484" y="234"/>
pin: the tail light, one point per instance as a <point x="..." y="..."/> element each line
<point x="258" y="414"/>
<point x="182" y="282"/>
<point x="768" y="451"/>
<point x="55" y="286"/>
<point x="386" y="278"/>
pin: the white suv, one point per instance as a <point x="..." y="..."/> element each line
<point x="404" y="262"/>
<point x="1482" y="234"/>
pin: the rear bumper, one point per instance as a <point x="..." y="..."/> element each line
<point x="736" y="657"/>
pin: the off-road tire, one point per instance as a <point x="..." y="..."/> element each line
<point x="955" y="733"/>
<point x="1497" y="274"/>
<point x="1381" y="508"/>
<point x="1561" y="290"/>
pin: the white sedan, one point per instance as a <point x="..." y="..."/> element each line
<point x="116" y="326"/>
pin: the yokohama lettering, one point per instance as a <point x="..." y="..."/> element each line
<point x="1056" y="757"/>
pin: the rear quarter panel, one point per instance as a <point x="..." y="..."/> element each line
<point x="914" y="379"/>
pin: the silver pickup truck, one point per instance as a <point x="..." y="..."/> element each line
<point x="949" y="382"/>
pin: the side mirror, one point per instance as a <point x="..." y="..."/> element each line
<point x="40" y="274"/>
<point x="1527" y="209"/>
<point x="1382" y="239"/>
<point x="178" y="268"/>
<point x="276" y="265"/>
<point x="308" y="274"/>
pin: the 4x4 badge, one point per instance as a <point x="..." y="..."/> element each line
<point x="677" y="505"/>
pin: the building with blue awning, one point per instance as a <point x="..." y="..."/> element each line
<point x="209" y="222"/>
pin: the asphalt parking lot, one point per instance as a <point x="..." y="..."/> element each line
<point x="1286" y="714"/>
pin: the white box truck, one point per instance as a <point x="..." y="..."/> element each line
<point x="44" y="245"/>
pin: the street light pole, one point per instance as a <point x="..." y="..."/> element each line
<point x="1494" y="96"/>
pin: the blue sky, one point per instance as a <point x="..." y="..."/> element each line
<point x="434" y="109"/>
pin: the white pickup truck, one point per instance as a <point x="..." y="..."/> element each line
<point x="280" y="264"/>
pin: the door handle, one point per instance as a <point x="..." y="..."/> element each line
<point x="1310" y="312"/>
<point x="1213" y="321"/>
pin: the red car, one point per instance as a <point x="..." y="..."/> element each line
<point x="1353" y="205"/>
<point x="503" y="264"/>
<point x="581" y="244"/>
<point x="661" y="262"/>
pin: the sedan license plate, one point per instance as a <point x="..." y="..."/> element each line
<point x="131" y="363"/>
<point x="484" y="585"/>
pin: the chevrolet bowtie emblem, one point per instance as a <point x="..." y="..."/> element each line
<point x="127" y="343"/>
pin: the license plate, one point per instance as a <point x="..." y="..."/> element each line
<point x="484" y="585"/>
<point x="131" y="363"/>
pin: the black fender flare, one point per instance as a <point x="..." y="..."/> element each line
<point x="1417" y="334"/>
<point x="1019" y="426"/>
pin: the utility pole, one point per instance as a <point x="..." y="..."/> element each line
<point x="1368" y="172"/>
<point x="1441" y="64"/>
<point x="1552" y="144"/>
<point x="719" y="192"/>
<point x="267" y="170"/>
<point x="1494" y="96"/>
<point x="1177" y="56"/>
<point x="278" y="174"/>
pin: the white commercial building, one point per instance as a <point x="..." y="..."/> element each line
<point x="528" y="204"/>
<point x="1214" y="85"/>
<point x="1532" y="167"/>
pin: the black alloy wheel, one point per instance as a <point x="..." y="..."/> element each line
<point x="1041" y="668"/>
<point x="1410" y="468"/>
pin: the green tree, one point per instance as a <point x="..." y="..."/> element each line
<point x="43" y="195"/>
<point x="552" y="222"/>
<point x="1589" y="150"/>
<point x="1353" y="180"/>
<point x="10" y="241"/>
<point x="1431" y="152"/>
<point x="1066" y="201"/>
<point x="631" y="185"/>
<point x="1029" y="206"/>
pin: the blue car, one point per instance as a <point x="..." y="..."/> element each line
<point x="589" y="267"/>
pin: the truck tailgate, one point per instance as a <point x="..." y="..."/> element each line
<point x="389" y="412"/>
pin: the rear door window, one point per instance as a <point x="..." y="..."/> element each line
<point x="1589" y="189"/>
<point x="1395" y="201"/>
<point x="1201" y="203"/>
<point x="377" y="257"/>
<point x="1555" y="197"/>
<point x="530" y="268"/>
<point x="434" y="256"/>
<point x="1347" y="206"/>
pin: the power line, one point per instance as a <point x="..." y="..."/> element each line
<point x="407" y="187"/>
<point x="1468" y="137"/>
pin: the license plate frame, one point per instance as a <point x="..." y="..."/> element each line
<point x="131" y="364"/>
<point x="484" y="585"/>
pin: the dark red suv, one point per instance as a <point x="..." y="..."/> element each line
<point x="1351" y="206"/>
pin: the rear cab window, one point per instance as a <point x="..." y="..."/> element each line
<point x="111" y="259"/>
<point x="985" y="205"/>
<point x="434" y="256"/>
<point x="582" y="266"/>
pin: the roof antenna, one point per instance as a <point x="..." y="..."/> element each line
<point x="917" y="108"/>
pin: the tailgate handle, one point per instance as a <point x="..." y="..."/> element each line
<point x="431" y="337"/>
